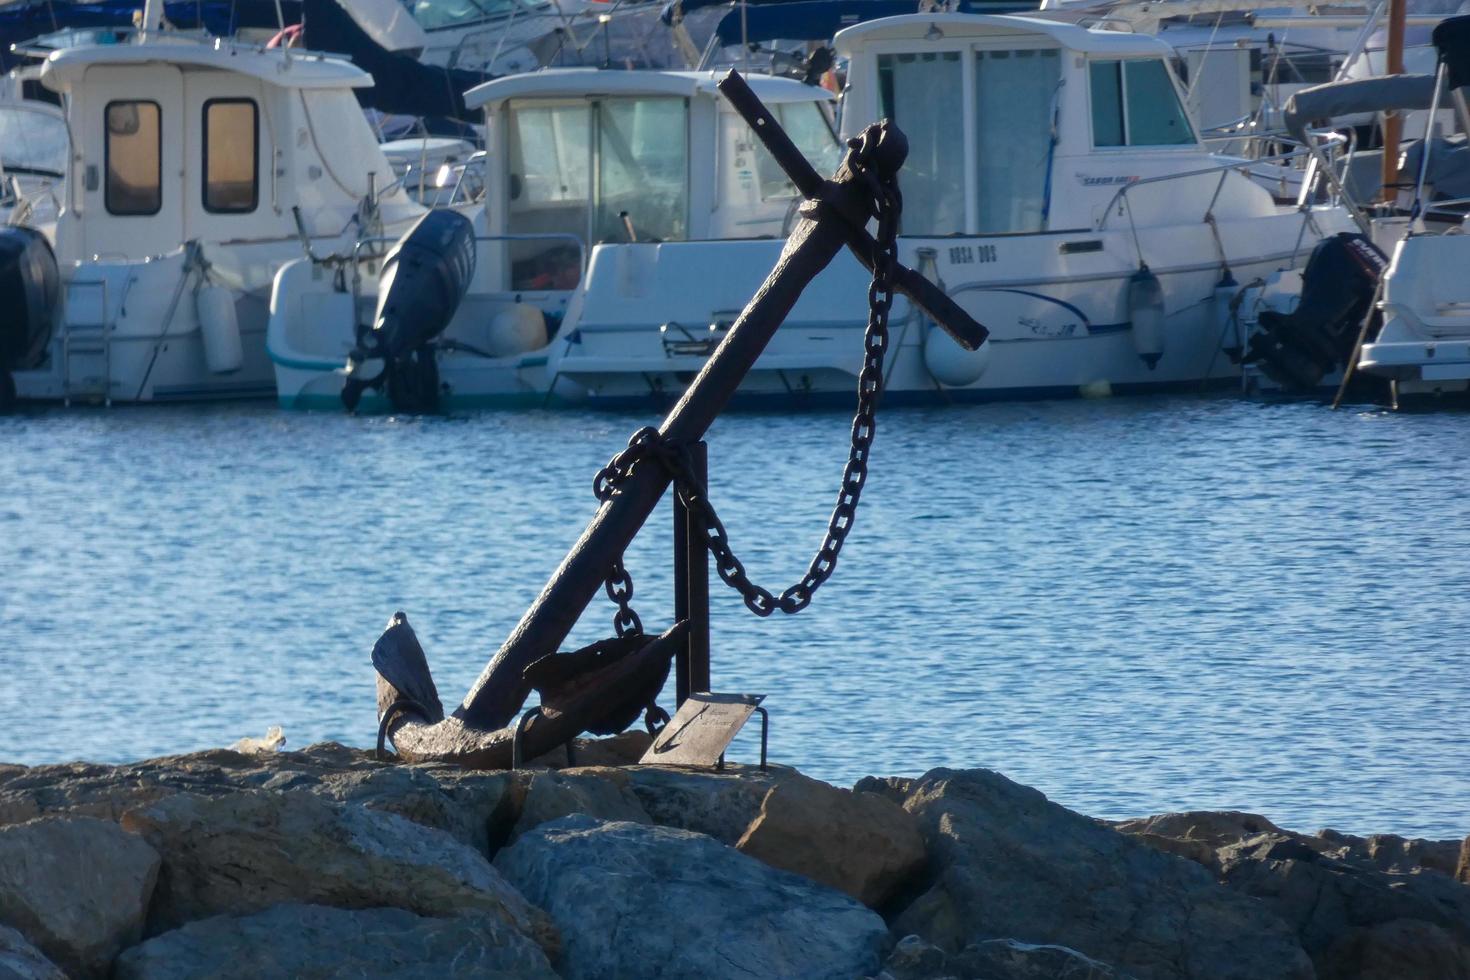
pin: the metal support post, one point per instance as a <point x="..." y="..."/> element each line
<point x="691" y="587"/>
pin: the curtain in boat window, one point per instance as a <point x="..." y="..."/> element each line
<point x="1014" y="98"/>
<point x="924" y="95"/>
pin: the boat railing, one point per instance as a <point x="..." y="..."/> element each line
<point x="1224" y="170"/>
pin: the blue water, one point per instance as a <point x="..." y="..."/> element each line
<point x="1135" y="605"/>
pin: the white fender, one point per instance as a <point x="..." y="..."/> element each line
<point x="1146" y="311"/>
<point x="951" y="364"/>
<point x="219" y="328"/>
<point x="518" y="329"/>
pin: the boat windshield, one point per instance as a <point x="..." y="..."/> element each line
<point x="608" y="170"/>
<point x="807" y="125"/>
<point x="32" y="140"/>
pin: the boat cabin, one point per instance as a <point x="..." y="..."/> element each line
<point x="1019" y="125"/>
<point x="588" y="157"/>
<point x="176" y="139"/>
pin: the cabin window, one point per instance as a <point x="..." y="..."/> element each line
<point x="1134" y="103"/>
<point x="807" y="125"/>
<point x="1015" y="102"/>
<point x="134" y="150"/>
<point x="924" y="95"/>
<point x="580" y="168"/>
<point x="231" y="171"/>
<point x="642" y="171"/>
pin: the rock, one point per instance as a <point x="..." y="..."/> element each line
<point x="634" y="900"/>
<point x="19" y="960"/>
<point x="992" y="959"/>
<point x="1012" y="865"/>
<point x="77" y="887"/>
<point x="602" y="793"/>
<point x="1397" y="950"/>
<point x="1392" y="853"/>
<point x="85" y="789"/>
<point x="1197" y="834"/>
<point x="1338" y="905"/>
<point x="469" y="806"/>
<point x="1007" y="959"/>
<point x="243" y="853"/>
<point x="623" y="749"/>
<point x="863" y="844"/>
<point x="319" y="942"/>
<point x="1462" y="866"/>
<point x="720" y="804"/>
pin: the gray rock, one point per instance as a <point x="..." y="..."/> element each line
<point x="659" y="902"/>
<point x="19" y="960"/>
<point x="992" y="959"/>
<point x="602" y="793"/>
<point x="77" y="887"/>
<point x="474" y="808"/>
<point x="243" y="853"/>
<point x="720" y="804"/>
<point x="312" y="942"/>
<point x="1336" y="905"/>
<point x="1009" y="864"/>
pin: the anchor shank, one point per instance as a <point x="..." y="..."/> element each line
<point x="496" y="694"/>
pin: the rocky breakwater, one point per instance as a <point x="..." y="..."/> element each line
<point x="328" y="863"/>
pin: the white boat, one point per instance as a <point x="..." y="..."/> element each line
<point x="1423" y="344"/>
<point x="1055" y="186"/>
<point x="577" y="157"/>
<point x="197" y="168"/>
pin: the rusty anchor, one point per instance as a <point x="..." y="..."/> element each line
<point x="603" y="687"/>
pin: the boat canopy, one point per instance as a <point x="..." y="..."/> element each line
<point x="1333" y="100"/>
<point x="591" y="82"/>
<point x="818" y="20"/>
<point x="274" y="66"/>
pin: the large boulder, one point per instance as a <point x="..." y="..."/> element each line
<point x="1349" y="915"/>
<point x="1009" y="864"/>
<point x="602" y="793"/>
<point x="19" y="960"/>
<point x="992" y="959"/>
<point x="659" y="902"/>
<point x="472" y="807"/>
<point x="863" y="844"/>
<point x="243" y="853"/>
<point x="313" y="942"/>
<point x="76" y="887"/>
<point x="720" y="804"/>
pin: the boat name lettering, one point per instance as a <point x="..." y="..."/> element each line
<point x="970" y="254"/>
<point x="1110" y="181"/>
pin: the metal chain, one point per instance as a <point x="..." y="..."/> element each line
<point x="647" y="442"/>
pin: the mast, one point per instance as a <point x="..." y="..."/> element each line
<point x="1393" y="123"/>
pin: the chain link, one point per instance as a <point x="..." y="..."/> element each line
<point x="647" y="443"/>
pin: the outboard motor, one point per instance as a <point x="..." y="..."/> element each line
<point x="1299" y="348"/>
<point x="424" y="279"/>
<point x="30" y="299"/>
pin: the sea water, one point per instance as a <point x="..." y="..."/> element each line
<point x="1135" y="605"/>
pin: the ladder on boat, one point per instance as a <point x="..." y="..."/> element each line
<point x="86" y="343"/>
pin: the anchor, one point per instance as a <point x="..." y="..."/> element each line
<point x="602" y="688"/>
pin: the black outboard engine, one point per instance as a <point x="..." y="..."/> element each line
<point x="30" y="299"/>
<point x="424" y="279"/>
<point x="1299" y="348"/>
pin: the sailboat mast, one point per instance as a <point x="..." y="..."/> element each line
<point x="1393" y="124"/>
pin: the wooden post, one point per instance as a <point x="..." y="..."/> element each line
<point x="1393" y="123"/>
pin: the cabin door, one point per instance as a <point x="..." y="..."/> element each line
<point x="132" y="171"/>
